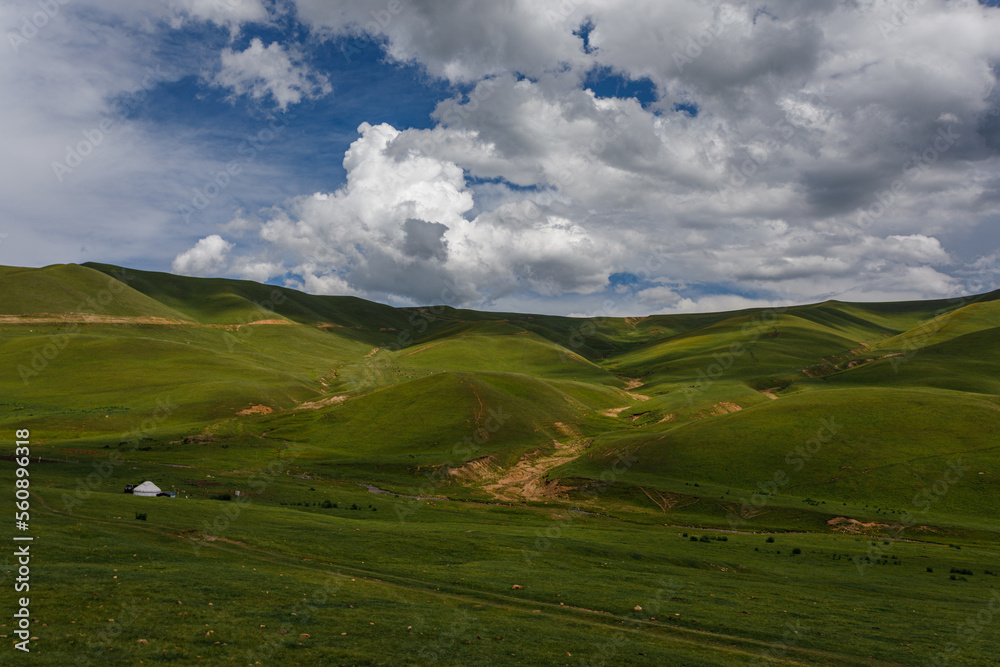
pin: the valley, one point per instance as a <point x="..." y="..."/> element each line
<point x="361" y="484"/>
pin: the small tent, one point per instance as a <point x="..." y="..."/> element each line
<point x="146" y="489"/>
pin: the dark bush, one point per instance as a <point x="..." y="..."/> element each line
<point x="769" y="540"/>
<point x="930" y="569"/>
<point x="222" y="496"/>
<point x="326" y="504"/>
<point x="140" y="516"/>
<point x="796" y="551"/>
<point x="694" y="539"/>
<point x="705" y="538"/>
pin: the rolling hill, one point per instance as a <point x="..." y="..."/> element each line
<point x="428" y="450"/>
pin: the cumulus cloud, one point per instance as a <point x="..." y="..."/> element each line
<point x="461" y="42"/>
<point x="791" y="152"/>
<point x="229" y="13"/>
<point x="832" y="149"/>
<point x="399" y="229"/>
<point x="261" y="71"/>
<point x="207" y="257"/>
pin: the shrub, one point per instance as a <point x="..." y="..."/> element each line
<point x="962" y="570"/>
<point x="140" y="516"/>
<point x="222" y="496"/>
<point x="769" y="540"/>
<point x="694" y="539"/>
<point x="796" y="551"/>
<point x="327" y="504"/>
<point x="930" y="569"/>
<point x="705" y="538"/>
<point x="354" y="506"/>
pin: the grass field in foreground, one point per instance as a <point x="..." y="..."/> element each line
<point x="255" y="576"/>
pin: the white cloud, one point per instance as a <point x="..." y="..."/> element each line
<point x="230" y="13"/>
<point x="808" y="116"/>
<point x="658" y="298"/>
<point x="258" y="270"/>
<point x="400" y="229"/>
<point x="461" y="43"/>
<point x="207" y="257"/>
<point x="261" y="71"/>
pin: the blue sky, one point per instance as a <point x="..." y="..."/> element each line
<point x="563" y="157"/>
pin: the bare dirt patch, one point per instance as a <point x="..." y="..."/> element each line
<point x="770" y="393"/>
<point x="632" y="384"/>
<point x="847" y="525"/>
<point x="527" y="480"/>
<point x="480" y="468"/>
<point x="237" y="327"/>
<point x="724" y="408"/>
<point x="668" y="418"/>
<point x="567" y="430"/>
<point x="422" y="349"/>
<point x="322" y="403"/>
<point x="281" y="322"/>
<point x="256" y="410"/>
<point x="89" y="318"/>
<point x="614" y="412"/>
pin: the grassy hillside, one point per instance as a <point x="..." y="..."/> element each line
<point x="67" y="288"/>
<point x="881" y="448"/>
<point x="225" y="301"/>
<point x="817" y="484"/>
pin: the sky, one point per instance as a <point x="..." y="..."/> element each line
<point x="575" y="157"/>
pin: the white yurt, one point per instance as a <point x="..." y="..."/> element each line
<point x="146" y="489"/>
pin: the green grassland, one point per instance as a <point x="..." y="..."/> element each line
<point x="365" y="485"/>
